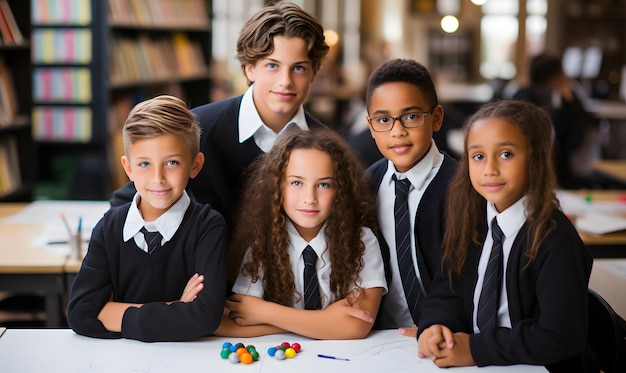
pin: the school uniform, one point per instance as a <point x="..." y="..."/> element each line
<point x="371" y="275"/>
<point x="228" y="140"/>
<point x="430" y="179"/>
<point x="118" y="267"/>
<point x="542" y="315"/>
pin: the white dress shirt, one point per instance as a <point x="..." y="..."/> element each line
<point x="167" y="224"/>
<point x="395" y="312"/>
<point x="372" y="274"/>
<point x="510" y="222"/>
<point x="251" y="124"/>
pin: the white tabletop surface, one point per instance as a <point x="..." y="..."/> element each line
<point x="61" y="350"/>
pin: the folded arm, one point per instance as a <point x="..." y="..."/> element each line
<point x="348" y="318"/>
<point x="112" y="313"/>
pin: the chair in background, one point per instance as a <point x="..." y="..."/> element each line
<point x="606" y="333"/>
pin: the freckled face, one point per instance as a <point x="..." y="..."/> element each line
<point x="281" y="81"/>
<point x="308" y="190"/>
<point x="497" y="152"/>
<point x="160" y="167"/>
<point x="404" y="147"/>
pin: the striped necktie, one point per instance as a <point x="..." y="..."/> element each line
<point x="312" y="299"/>
<point x="489" y="300"/>
<point x="153" y="239"/>
<point x="410" y="283"/>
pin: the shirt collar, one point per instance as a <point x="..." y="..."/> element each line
<point x="250" y="121"/>
<point x="318" y="243"/>
<point x="418" y="174"/>
<point x="167" y="224"/>
<point x="509" y="220"/>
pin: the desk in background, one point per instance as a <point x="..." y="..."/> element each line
<point x="27" y="264"/>
<point x="613" y="170"/>
<point x="61" y="350"/>
<point x="27" y="269"/>
<point x="605" y="203"/>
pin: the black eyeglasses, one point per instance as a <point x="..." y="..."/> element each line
<point x="408" y="120"/>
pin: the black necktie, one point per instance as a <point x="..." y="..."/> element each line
<point x="153" y="239"/>
<point x="410" y="283"/>
<point x="489" y="300"/>
<point x="311" y="284"/>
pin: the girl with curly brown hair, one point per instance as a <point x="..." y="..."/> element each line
<point x="308" y="194"/>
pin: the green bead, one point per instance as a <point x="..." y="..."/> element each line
<point x="224" y="353"/>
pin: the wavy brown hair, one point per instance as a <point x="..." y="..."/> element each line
<point x="466" y="212"/>
<point x="256" y="39"/>
<point x="260" y="223"/>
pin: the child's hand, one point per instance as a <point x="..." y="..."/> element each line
<point x="459" y="356"/>
<point x="193" y="288"/>
<point x="408" y="331"/>
<point x="349" y="306"/>
<point x="433" y="340"/>
<point x="246" y="310"/>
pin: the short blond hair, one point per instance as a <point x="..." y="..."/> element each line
<point x="159" y="116"/>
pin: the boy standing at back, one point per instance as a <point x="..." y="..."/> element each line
<point x="143" y="275"/>
<point x="280" y="49"/>
<point x="411" y="183"/>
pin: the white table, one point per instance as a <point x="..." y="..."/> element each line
<point x="61" y="350"/>
<point x="608" y="278"/>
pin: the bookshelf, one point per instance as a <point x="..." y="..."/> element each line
<point x="601" y="25"/>
<point x="92" y="61"/>
<point x="156" y="47"/>
<point x="16" y="174"/>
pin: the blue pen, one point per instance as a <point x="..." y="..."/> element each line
<point x="80" y="224"/>
<point x="332" y="357"/>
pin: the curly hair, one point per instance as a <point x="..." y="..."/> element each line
<point x="260" y="224"/>
<point x="463" y="201"/>
<point x="402" y="70"/>
<point x="256" y="39"/>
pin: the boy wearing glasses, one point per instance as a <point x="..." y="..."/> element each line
<point x="411" y="183"/>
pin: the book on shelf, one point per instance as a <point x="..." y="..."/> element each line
<point x="142" y="58"/>
<point x="56" y="12"/>
<point x="8" y="21"/>
<point x="66" y="84"/>
<point x="62" y="123"/>
<point x="167" y="13"/>
<point x="10" y="178"/>
<point x="62" y="45"/>
<point x="8" y="96"/>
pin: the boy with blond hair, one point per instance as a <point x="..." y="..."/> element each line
<point x="144" y="272"/>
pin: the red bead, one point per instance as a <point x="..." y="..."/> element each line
<point x="296" y="346"/>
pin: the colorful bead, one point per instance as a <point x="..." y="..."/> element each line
<point x="271" y="351"/>
<point x="246" y="358"/>
<point x="284" y="350"/>
<point x="239" y="353"/>
<point x="290" y="353"/>
<point x="233" y="358"/>
<point x="279" y="355"/>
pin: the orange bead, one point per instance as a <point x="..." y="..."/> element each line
<point x="246" y="358"/>
<point x="241" y="351"/>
